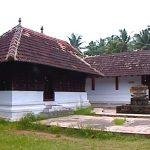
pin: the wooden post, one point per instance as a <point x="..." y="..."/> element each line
<point x="93" y="83"/>
<point x="117" y="83"/>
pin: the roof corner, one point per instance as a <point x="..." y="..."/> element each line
<point x="12" y="51"/>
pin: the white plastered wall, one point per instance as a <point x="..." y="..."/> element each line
<point x="15" y="104"/>
<point x="71" y="100"/>
<point x="105" y="92"/>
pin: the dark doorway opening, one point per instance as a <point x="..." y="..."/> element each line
<point x="48" y="91"/>
<point x="146" y="81"/>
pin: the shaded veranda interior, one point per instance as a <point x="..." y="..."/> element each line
<point x="21" y="76"/>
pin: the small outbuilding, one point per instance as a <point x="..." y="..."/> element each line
<point x="38" y="73"/>
<point x="121" y="72"/>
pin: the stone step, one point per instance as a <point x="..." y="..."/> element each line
<point x="101" y="105"/>
<point x="51" y="108"/>
<point x="56" y="113"/>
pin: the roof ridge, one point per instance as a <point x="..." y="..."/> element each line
<point x="42" y="34"/>
<point x="4" y="34"/>
<point x="50" y="38"/>
<point x="81" y="59"/>
<point x="116" y="54"/>
<point x="12" y="51"/>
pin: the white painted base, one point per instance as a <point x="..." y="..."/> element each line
<point x="69" y="100"/>
<point x="15" y="104"/>
<point x="105" y="92"/>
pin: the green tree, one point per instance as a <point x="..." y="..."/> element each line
<point x="124" y="40"/>
<point x="142" y="40"/>
<point x="117" y="44"/>
<point x="112" y="43"/>
<point x="75" y="41"/>
<point x="95" y="48"/>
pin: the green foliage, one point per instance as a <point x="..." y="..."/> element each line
<point x="124" y="37"/>
<point x="72" y="132"/>
<point x="75" y="41"/>
<point x="109" y="45"/>
<point x="42" y="116"/>
<point x="142" y="40"/>
<point x="117" y="44"/>
<point x="6" y="125"/>
<point x="26" y="122"/>
<point x="65" y="138"/>
<point x="119" y="121"/>
<point x="3" y="122"/>
<point x="114" y="43"/>
<point x="84" y="111"/>
<point x="22" y="140"/>
<point x="96" y="48"/>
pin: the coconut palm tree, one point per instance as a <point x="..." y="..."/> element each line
<point x="124" y="39"/>
<point x="142" y="40"/>
<point x="112" y="44"/>
<point x="95" y="48"/>
<point x="75" y="41"/>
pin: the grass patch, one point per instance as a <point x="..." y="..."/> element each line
<point x="119" y="121"/>
<point x="84" y="111"/>
<point x="14" y="141"/>
<point x="29" y="123"/>
<point x="63" y="138"/>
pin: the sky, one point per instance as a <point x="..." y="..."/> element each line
<point x="93" y="19"/>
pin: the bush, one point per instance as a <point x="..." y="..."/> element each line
<point x="27" y="121"/>
<point x="84" y="111"/>
<point x="119" y="121"/>
<point x="3" y="122"/>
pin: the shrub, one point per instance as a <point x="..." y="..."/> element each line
<point x="119" y="121"/>
<point x="84" y="111"/>
<point x="3" y="122"/>
<point x="27" y="121"/>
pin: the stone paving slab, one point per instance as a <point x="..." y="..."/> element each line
<point x="132" y="125"/>
<point x="112" y="113"/>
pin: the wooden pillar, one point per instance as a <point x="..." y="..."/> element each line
<point x="143" y="80"/>
<point x="93" y="83"/>
<point x="117" y="83"/>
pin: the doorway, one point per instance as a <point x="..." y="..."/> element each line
<point x="48" y="91"/>
<point x="146" y="81"/>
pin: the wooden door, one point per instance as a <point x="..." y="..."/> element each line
<point x="48" y="91"/>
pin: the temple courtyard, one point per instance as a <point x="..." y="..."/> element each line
<point x="28" y="135"/>
<point x="105" y="121"/>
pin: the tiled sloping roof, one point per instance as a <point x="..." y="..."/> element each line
<point x="5" y="41"/>
<point x="25" y="45"/>
<point x="121" y="64"/>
